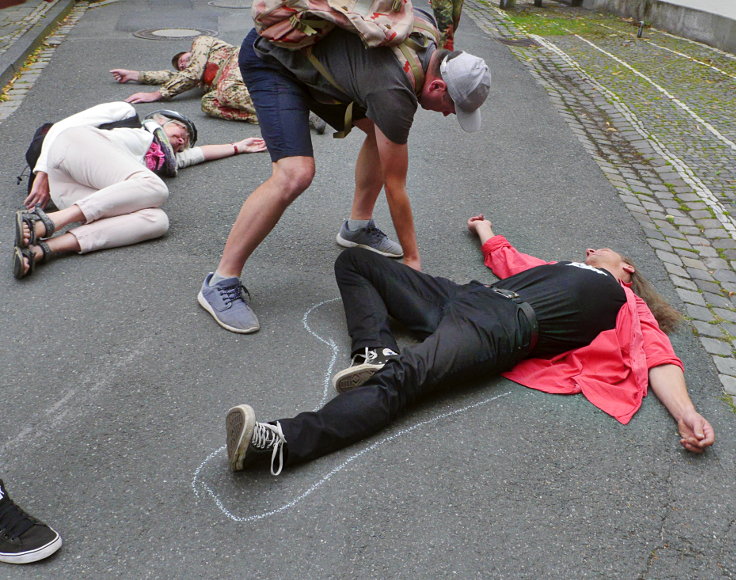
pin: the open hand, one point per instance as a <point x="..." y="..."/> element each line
<point x="250" y="145"/>
<point x="144" y="97"/>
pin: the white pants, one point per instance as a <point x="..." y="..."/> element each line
<point x="119" y="197"/>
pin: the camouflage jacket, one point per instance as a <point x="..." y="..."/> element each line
<point x="209" y="58"/>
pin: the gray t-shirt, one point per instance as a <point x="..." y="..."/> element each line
<point x="372" y="78"/>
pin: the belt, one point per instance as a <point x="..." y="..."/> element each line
<point x="528" y="311"/>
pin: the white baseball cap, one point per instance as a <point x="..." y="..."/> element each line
<point x="468" y="82"/>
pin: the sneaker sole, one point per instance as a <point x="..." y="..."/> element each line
<point x="33" y="555"/>
<point x="353" y="377"/>
<point x="348" y="244"/>
<point x="239" y="425"/>
<point x="206" y="305"/>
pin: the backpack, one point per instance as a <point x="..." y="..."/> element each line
<point x="295" y="24"/>
<point x="34" y="148"/>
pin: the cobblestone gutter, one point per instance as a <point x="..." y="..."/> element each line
<point x="17" y="89"/>
<point x="657" y="117"/>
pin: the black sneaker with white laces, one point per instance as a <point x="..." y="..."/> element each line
<point x="23" y="539"/>
<point x="363" y="367"/>
<point x="250" y="442"/>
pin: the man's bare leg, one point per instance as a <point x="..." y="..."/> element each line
<point x="221" y="294"/>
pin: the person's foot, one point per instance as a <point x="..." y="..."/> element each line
<point x="225" y="301"/>
<point x="317" y="123"/>
<point x="362" y="368"/>
<point x="23" y="539"/>
<point x="25" y="259"/>
<point x="31" y="226"/>
<point x="370" y="238"/>
<point x="249" y="442"/>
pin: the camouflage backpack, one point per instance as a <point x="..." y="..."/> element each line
<point x="295" y="24"/>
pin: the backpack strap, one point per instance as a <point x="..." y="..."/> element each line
<point x="422" y="35"/>
<point x="348" y="125"/>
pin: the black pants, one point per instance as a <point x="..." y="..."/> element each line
<point x="467" y="330"/>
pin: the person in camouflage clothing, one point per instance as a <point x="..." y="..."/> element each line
<point x="211" y="64"/>
<point x="447" y="14"/>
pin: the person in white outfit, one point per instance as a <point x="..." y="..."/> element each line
<point x="106" y="180"/>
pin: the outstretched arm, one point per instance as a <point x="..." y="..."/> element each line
<point x="197" y="155"/>
<point x="668" y="383"/>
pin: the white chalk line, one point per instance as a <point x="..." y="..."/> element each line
<point x="678" y="53"/>
<point x="324" y="479"/>
<point x="677" y="102"/>
<point x="333" y="347"/>
<point x="71" y="402"/>
<point x="700" y="44"/>
<point x="199" y="484"/>
<point x="687" y="174"/>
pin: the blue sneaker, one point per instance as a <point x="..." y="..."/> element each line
<point x="370" y="238"/>
<point x="225" y="301"/>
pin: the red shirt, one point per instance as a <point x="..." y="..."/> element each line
<point x="612" y="372"/>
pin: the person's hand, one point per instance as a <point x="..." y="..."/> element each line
<point x="415" y="263"/>
<point x="477" y="220"/>
<point x="123" y="75"/>
<point x="144" y="97"/>
<point x="39" y="194"/>
<point x="250" y="145"/>
<point x="696" y="432"/>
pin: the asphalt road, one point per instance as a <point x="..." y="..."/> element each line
<point x="116" y="383"/>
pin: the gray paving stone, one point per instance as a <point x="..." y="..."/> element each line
<point x="669" y="257"/>
<point x="725" y="365"/>
<point x="718" y="347"/>
<point x="676" y="270"/>
<point x="729" y="384"/>
<point x="716" y="263"/>
<point x="660" y="245"/>
<point x="686" y="283"/>
<point x="705" y="329"/>
<point x="690" y="297"/>
<point x="724" y="313"/>
<point x="718" y="300"/>
<point x="724" y="275"/>
<point x="696" y="273"/>
<point x="699" y="312"/>
<point x="694" y="263"/>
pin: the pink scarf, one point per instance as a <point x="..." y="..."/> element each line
<point x="154" y="157"/>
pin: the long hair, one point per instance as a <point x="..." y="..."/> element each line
<point x="666" y="315"/>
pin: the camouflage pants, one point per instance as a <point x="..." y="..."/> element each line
<point x="230" y="98"/>
<point x="447" y="13"/>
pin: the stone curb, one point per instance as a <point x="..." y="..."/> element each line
<point x="39" y="24"/>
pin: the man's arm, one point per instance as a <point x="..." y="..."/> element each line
<point x="668" y="383"/>
<point x="395" y="165"/>
<point x="499" y="255"/>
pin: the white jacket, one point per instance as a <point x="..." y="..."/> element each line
<point x="136" y="142"/>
